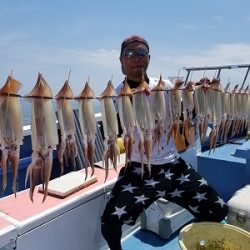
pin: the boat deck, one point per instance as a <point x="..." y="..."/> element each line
<point x="146" y="240"/>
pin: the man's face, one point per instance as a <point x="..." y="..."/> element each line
<point x="134" y="59"/>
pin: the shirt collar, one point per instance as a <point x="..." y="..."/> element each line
<point x="134" y="84"/>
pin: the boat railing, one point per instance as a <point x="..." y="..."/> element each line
<point x="218" y="70"/>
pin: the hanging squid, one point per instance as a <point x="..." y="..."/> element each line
<point x="158" y="111"/>
<point x="245" y="97"/>
<point x="225" y="111"/>
<point x="175" y="114"/>
<point x="88" y="125"/>
<point x="201" y="106"/>
<point x="228" y="111"/>
<point x="248" y="111"/>
<point x="188" y="107"/>
<point x="110" y="127"/>
<point x="68" y="148"/>
<point x="11" y="130"/>
<point x="144" y="123"/>
<point x="233" y="111"/>
<point x="127" y="119"/>
<point x="215" y="98"/>
<point x="44" y="136"/>
<point x="241" y="97"/>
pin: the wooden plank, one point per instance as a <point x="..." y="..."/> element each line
<point x="68" y="184"/>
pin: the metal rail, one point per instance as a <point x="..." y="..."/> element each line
<point x="219" y="68"/>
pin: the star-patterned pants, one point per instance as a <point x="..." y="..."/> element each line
<point x="176" y="181"/>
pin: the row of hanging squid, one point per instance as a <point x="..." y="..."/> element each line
<point x="44" y="131"/>
<point x="226" y="110"/>
<point x="195" y="105"/>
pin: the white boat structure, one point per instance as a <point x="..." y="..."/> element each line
<point x="70" y="216"/>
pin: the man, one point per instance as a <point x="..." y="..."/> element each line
<point x="171" y="177"/>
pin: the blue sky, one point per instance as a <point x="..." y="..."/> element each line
<point x="54" y="36"/>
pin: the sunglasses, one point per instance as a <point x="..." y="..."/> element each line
<point x="135" y="52"/>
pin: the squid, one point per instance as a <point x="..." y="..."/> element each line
<point x="215" y="98"/>
<point x="144" y="123"/>
<point x="44" y="136"/>
<point x="245" y="110"/>
<point x="240" y="110"/>
<point x="201" y="106"/>
<point x="158" y="111"/>
<point x="88" y="125"/>
<point x="248" y="111"/>
<point x="127" y="119"/>
<point x="225" y="104"/>
<point x="68" y="148"/>
<point x="110" y="127"/>
<point x="175" y="114"/>
<point x="188" y="107"/>
<point x="233" y="111"/>
<point x="11" y="131"/>
<point x="207" y="87"/>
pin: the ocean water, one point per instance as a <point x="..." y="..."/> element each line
<point x="26" y="109"/>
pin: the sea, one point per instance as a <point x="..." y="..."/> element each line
<point x="26" y="109"/>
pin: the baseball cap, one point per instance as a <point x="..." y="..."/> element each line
<point x="131" y="39"/>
